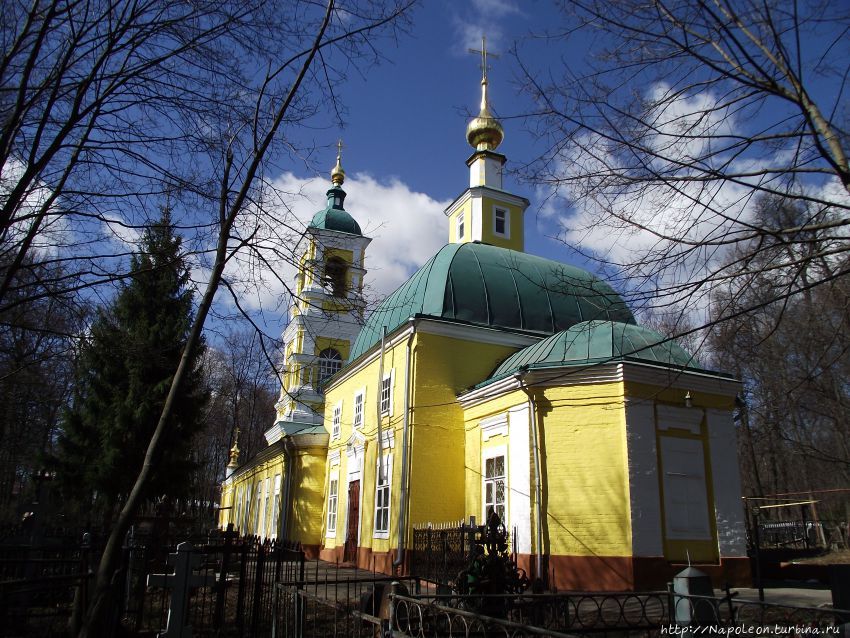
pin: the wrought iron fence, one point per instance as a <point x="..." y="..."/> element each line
<point x="442" y="550"/>
<point x="38" y="584"/>
<point x="331" y="600"/>
<point x="42" y="586"/>
<point x="241" y="573"/>
<point x="535" y="614"/>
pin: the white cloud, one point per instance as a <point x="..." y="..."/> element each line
<point x="496" y="8"/>
<point x="659" y="233"/>
<point x="406" y="228"/>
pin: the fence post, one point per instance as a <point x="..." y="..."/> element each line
<point x="221" y="585"/>
<point x="393" y="593"/>
<point x="258" y="586"/>
<point x="240" y="599"/>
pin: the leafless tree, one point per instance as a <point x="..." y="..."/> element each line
<point x="113" y="109"/>
<point x="690" y="115"/>
<point x="243" y="389"/>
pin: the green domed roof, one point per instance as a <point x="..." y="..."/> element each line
<point x="334" y="216"/>
<point x="489" y="286"/>
<point x="592" y="342"/>
<point x="334" y="219"/>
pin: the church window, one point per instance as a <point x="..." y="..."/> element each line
<point x="460" y="226"/>
<point x="330" y="362"/>
<point x="382" y="497"/>
<point x="494" y="487"/>
<point x="245" y="513"/>
<point x="266" y="513"/>
<point x="358" y="409"/>
<point x="333" y="492"/>
<point x="334" y="277"/>
<point x="257" y="519"/>
<point x="275" y="506"/>
<point x="387" y="394"/>
<point x="336" y="420"/>
<point x="501" y="219"/>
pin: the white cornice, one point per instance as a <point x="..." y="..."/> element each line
<point x="629" y="371"/>
<point x="479" y="334"/>
<point x="485" y="191"/>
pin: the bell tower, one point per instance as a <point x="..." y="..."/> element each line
<point x="327" y="312"/>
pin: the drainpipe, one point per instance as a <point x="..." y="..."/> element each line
<point x="538" y="492"/>
<point x="288" y="457"/>
<point x="402" y="505"/>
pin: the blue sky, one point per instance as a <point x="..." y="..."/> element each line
<point x="404" y="136"/>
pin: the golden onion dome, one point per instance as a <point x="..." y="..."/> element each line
<point x="484" y="133"/>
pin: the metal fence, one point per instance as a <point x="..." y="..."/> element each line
<point x="37" y="587"/>
<point x="41" y="587"/>
<point x="240" y="572"/>
<point x="441" y="551"/>
<point x="331" y="600"/>
<point x="604" y="614"/>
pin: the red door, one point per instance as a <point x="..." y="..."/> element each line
<point x="350" y="552"/>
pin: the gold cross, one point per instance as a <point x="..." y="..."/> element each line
<point x="339" y="148"/>
<point x="484" y="55"/>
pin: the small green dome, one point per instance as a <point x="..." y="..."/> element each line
<point x="592" y="342"/>
<point x="334" y="216"/>
<point x="495" y="287"/>
<point x="338" y="220"/>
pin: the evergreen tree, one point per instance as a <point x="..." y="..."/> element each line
<point x="125" y="370"/>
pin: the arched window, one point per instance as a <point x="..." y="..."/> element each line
<point x="330" y="362"/>
<point x="334" y="278"/>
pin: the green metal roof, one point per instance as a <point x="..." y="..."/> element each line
<point x="489" y="286"/>
<point x="334" y="216"/>
<point x="592" y="342"/>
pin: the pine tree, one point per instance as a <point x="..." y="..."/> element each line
<point x="125" y="370"/>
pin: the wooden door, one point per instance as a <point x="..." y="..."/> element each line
<point x="350" y="551"/>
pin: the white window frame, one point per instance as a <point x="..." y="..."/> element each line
<point x="359" y="409"/>
<point x="275" y="507"/>
<point x="389" y="379"/>
<point x="237" y="511"/>
<point x="486" y="455"/>
<point x="507" y="212"/>
<point x="333" y="504"/>
<point x="257" y="520"/>
<point x="383" y="497"/>
<point x="459" y="225"/>
<point x="246" y="514"/>
<point x="336" y="420"/>
<point x="267" y="506"/>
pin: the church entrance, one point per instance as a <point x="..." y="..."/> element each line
<point x="350" y="551"/>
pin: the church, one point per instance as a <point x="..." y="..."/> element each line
<point x="492" y="380"/>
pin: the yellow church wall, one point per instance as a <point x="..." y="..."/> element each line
<point x="344" y="390"/>
<point x="340" y="345"/>
<point x="466" y="211"/>
<point x="586" y="496"/>
<point x="584" y="467"/>
<point x="676" y="396"/>
<point x="443" y="367"/>
<point x="253" y="477"/>
<point x="475" y="447"/>
<point x="307" y="495"/>
<point x="515" y="240"/>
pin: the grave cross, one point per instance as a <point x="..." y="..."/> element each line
<point x="181" y="582"/>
